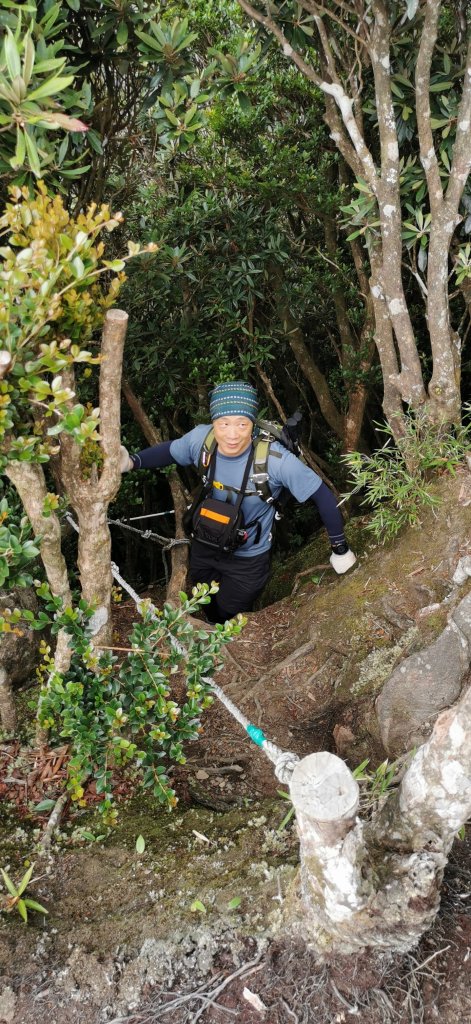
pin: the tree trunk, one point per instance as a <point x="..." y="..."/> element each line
<point x="377" y="884"/>
<point x="30" y="482"/>
<point x="7" y="703"/>
<point x="304" y="358"/>
<point x="179" y="550"/>
<point x="444" y="388"/>
<point x="91" y="497"/>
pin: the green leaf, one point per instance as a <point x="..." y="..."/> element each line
<point x="8" y="882"/>
<point x="441" y="86"/>
<point x="234" y="903"/>
<point x="44" y="805"/>
<point x="28" y="58"/>
<point x="32" y="905"/>
<point x="244" y="103"/>
<point x="51" y="87"/>
<point x="12" y="56"/>
<point x="197" y="905"/>
<point x="33" y="158"/>
<point x="20" y="152"/>
<point x="140" y="844"/>
<point x="77" y="267"/>
<point x="22" y="910"/>
<point x="25" y="880"/>
<point x="122" y="34"/>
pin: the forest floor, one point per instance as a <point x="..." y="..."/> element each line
<point x="163" y="959"/>
<point x="190" y="929"/>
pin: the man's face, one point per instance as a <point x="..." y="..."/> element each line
<point x="232" y="433"/>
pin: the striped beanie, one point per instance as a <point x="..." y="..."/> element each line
<point x="233" y="398"/>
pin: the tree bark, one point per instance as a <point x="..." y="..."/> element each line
<point x="179" y="551"/>
<point x="377" y="884"/>
<point x="444" y="387"/>
<point x="30" y="482"/>
<point x="90" y="497"/>
<point x="7" y="703"/>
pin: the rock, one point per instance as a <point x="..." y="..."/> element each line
<point x="7" y="1005"/>
<point x="424" y="684"/>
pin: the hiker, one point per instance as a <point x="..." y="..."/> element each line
<point x="231" y="519"/>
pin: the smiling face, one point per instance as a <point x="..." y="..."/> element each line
<point x="232" y="434"/>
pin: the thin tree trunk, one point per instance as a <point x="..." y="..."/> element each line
<point x="30" y="482"/>
<point x="444" y="387"/>
<point x="91" y="497"/>
<point x="179" y="551"/>
<point x="304" y="358"/>
<point x="7" y="703"/>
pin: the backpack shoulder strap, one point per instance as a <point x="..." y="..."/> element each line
<point x="260" y="469"/>
<point x="207" y="450"/>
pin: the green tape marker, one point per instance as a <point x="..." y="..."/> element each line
<point x="256" y="734"/>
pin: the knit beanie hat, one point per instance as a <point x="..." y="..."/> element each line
<point x="233" y="398"/>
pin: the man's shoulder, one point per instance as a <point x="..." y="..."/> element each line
<point x="188" y="447"/>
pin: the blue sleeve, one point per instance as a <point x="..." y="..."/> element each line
<point x="186" y="450"/>
<point x="304" y="484"/>
<point x="329" y="513"/>
<point x="153" y="458"/>
<point x="286" y="470"/>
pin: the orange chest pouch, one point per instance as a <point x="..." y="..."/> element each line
<point x="219" y="524"/>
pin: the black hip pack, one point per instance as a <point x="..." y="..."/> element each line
<point x="218" y="524"/>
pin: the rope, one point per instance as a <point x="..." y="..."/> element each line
<point x="152" y="515"/>
<point x="284" y="761"/>
<point x="146" y="534"/>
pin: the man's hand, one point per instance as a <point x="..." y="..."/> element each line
<point x="340" y="563"/>
<point x="126" y="462"/>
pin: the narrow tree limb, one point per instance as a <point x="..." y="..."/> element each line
<point x="112" y="347"/>
<point x="8" y="716"/>
<point x="179" y="552"/>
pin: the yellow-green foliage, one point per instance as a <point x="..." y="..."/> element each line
<point x="55" y="287"/>
<point x="53" y="263"/>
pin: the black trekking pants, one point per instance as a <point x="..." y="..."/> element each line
<point x="241" y="580"/>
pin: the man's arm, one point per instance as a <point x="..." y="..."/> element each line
<point x="184" y="451"/>
<point x="155" y="457"/>
<point x="306" y="485"/>
<point x="341" y="558"/>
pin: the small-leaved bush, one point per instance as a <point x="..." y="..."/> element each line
<point x="396" y="479"/>
<point x="17" y="547"/>
<point x="134" y="716"/>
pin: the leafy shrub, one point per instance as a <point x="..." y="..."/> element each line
<point x="396" y="479"/>
<point x="17" y="547"/>
<point x="125" y="715"/>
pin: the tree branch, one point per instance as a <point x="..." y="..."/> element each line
<point x="461" y="163"/>
<point x="428" y="156"/>
<point x="112" y="346"/>
<point x="334" y="89"/>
